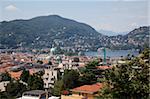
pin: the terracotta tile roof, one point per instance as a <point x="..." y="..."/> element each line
<point x="15" y="75"/>
<point x="32" y="71"/>
<point x="104" y="67"/>
<point x="45" y="61"/>
<point x="88" y="88"/>
<point x="3" y="70"/>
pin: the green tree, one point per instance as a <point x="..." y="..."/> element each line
<point x="129" y="81"/>
<point x="35" y="82"/>
<point x="25" y="75"/>
<point x="58" y="88"/>
<point x="15" y="89"/>
<point x="70" y="79"/>
<point x="3" y="95"/>
<point x="87" y="78"/>
<point x="5" y="77"/>
<point x="92" y="65"/>
<point x="145" y="54"/>
<point x="89" y="73"/>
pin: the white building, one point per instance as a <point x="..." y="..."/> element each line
<point x="3" y="85"/>
<point x="36" y="94"/>
<point x="49" y="77"/>
<point x="43" y="57"/>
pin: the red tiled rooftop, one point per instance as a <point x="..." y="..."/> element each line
<point x="32" y="71"/>
<point x="16" y="75"/>
<point x="88" y="88"/>
<point x="104" y="67"/>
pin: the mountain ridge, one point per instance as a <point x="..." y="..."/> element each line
<point x="54" y="30"/>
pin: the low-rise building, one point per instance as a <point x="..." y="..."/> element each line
<point x="3" y="85"/>
<point x="37" y="94"/>
<point x="84" y="92"/>
<point x="34" y="94"/>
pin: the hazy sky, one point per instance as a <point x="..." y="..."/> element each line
<point x="114" y="15"/>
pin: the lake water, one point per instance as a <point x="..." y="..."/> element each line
<point x="113" y="53"/>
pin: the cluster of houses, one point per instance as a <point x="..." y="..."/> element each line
<point x="14" y="64"/>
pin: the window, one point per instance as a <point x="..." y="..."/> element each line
<point x="82" y="94"/>
<point x="49" y="84"/>
<point x="52" y="78"/>
<point x="5" y="84"/>
<point x="43" y="96"/>
<point x="79" y="94"/>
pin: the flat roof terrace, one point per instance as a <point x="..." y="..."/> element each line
<point x="34" y="93"/>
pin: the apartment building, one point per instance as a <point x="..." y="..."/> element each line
<point x="49" y="77"/>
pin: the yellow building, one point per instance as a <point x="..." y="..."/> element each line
<point x="84" y="92"/>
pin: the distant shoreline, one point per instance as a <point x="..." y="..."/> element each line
<point x="113" y="53"/>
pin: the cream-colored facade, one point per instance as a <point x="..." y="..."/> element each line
<point x="3" y="85"/>
<point x="79" y="96"/>
<point x="49" y="77"/>
<point x="84" y="92"/>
